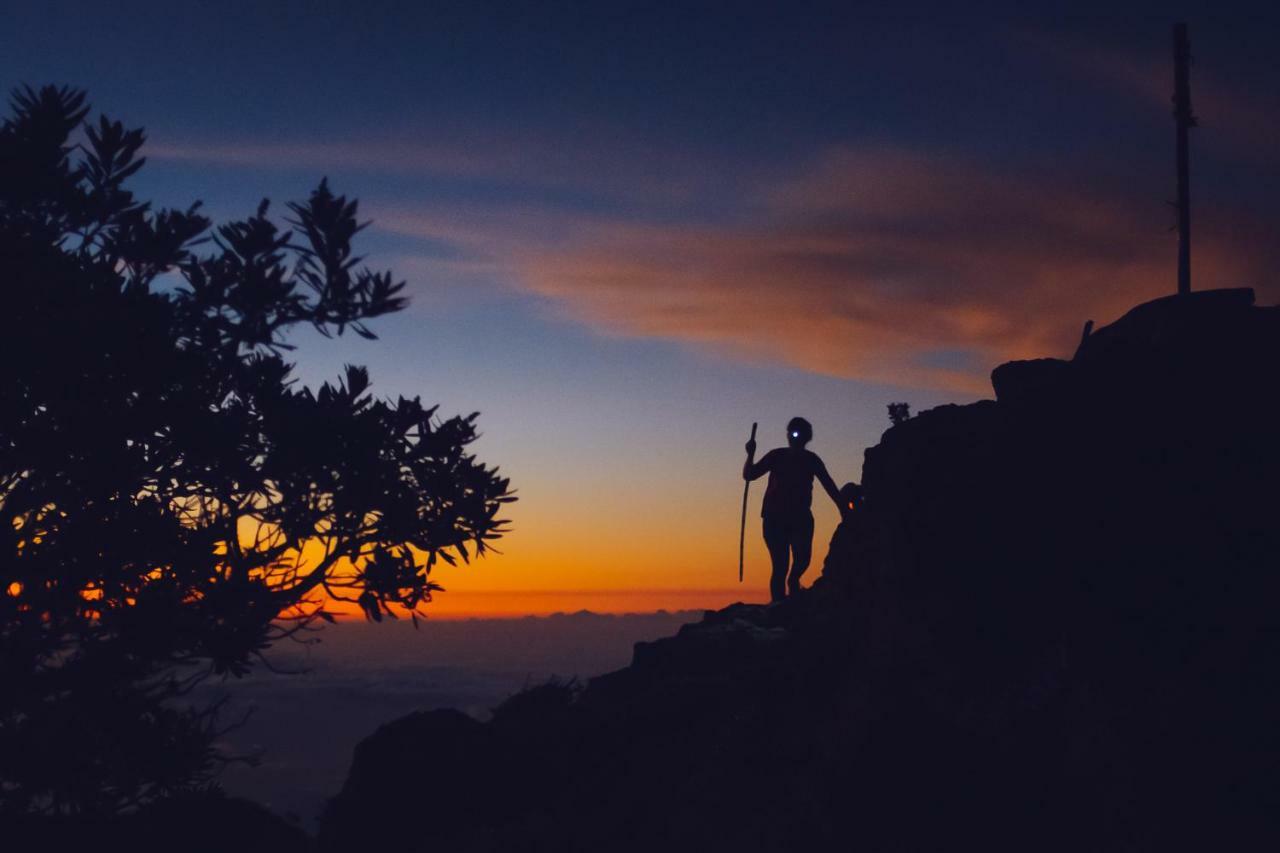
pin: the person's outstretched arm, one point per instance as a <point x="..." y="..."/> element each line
<point x="827" y="483"/>
<point x="753" y="470"/>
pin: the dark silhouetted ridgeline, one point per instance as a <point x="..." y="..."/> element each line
<point x="1053" y="627"/>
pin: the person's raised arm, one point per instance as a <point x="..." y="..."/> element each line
<point x="752" y="470"/>
<point x="827" y="483"/>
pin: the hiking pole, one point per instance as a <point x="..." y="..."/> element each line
<point x="742" y="533"/>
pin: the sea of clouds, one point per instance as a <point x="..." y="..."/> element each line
<point x="302" y="726"/>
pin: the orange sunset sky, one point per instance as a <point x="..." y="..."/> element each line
<point x="622" y="253"/>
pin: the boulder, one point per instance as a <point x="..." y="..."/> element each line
<point x="1030" y="381"/>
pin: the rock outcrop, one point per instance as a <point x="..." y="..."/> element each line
<point x="1053" y="627"/>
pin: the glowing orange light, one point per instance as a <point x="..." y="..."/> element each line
<point x="15" y="589"/>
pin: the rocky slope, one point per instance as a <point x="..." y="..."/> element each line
<point x="1053" y="626"/>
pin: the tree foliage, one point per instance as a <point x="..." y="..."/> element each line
<point x="171" y="501"/>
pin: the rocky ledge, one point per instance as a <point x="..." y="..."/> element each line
<point x="1053" y="626"/>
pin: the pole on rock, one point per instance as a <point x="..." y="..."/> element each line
<point x="1184" y="120"/>
<point x="742" y="531"/>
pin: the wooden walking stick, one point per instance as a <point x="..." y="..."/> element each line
<point x="742" y="533"/>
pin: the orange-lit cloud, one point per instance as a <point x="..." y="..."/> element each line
<point x="875" y="264"/>
<point x="869" y="262"/>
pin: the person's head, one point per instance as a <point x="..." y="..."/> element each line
<point x="799" y="432"/>
<point x="850" y="497"/>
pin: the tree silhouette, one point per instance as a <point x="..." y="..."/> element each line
<point x="171" y="502"/>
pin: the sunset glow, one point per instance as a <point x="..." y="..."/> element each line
<point x="622" y="254"/>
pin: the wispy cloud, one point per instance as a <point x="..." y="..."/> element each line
<point x="570" y="166"/>
<point x="874" y="263"/>
<point x="391" y="157"/>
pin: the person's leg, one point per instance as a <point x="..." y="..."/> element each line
<point x="775" y="538"/>
<point x="801" y="550"/>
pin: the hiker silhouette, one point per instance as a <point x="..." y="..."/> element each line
<point x="788" y="522"/>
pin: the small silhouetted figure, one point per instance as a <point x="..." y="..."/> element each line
<point x="788" y="522"/>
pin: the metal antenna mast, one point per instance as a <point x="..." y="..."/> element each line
<point x="1185" y="120"/>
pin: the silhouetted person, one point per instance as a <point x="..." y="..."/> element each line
<point x="788" y="522"/>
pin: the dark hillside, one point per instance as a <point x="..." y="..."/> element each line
<point x="1053" y="626"/>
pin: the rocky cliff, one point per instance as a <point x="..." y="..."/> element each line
<point x="1052" y="626"/>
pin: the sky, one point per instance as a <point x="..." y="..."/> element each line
<point x="629" y="230"/>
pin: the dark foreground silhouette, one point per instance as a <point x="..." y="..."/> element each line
<point x="149" y="420"/>
<point x="1051" y="626"/>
